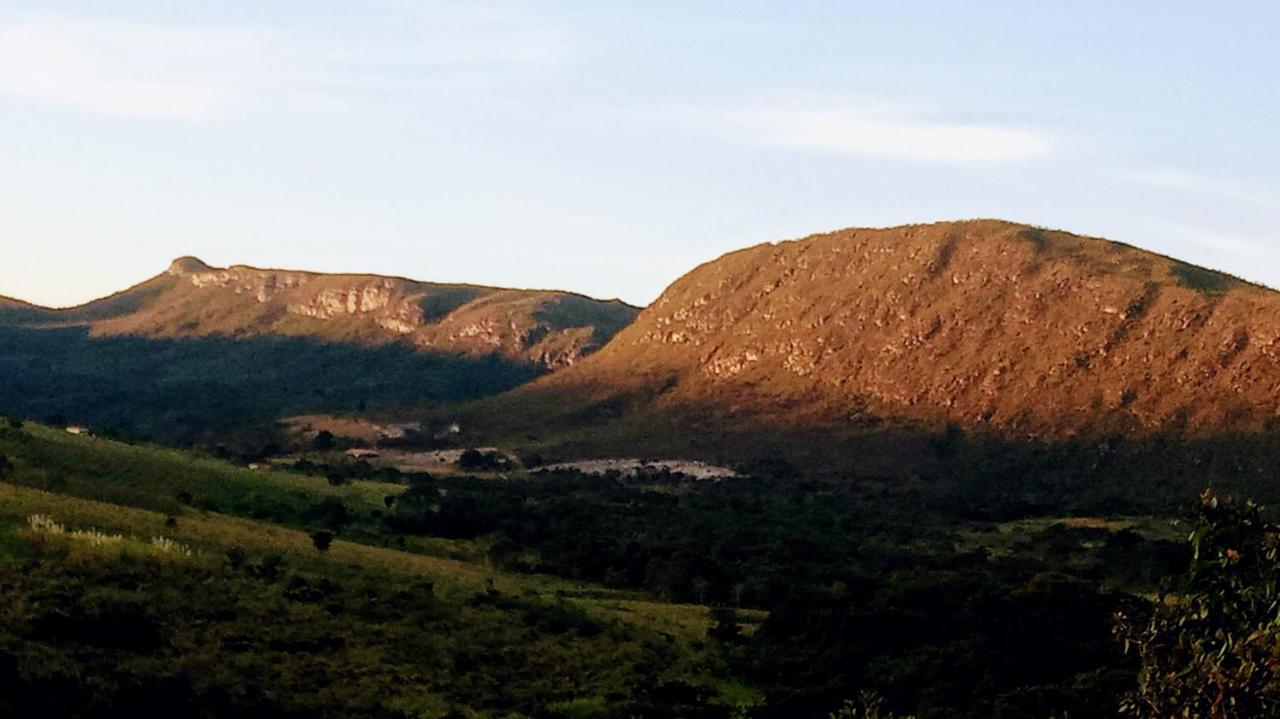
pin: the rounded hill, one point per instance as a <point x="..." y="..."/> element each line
<point x="979" y="324"/>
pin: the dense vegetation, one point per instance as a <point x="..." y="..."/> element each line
<point x="189" y="584"/>
<point x="109" y="609"/>
<point x="191" y="391"/>
<point x="943" y="616"/>
<point x="1211" y="646"/>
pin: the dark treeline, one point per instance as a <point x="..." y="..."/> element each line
<point x="209" y="390"/>
<point x="865" y="592"/>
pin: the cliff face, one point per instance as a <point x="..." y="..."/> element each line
<point x="981" y="324"/>
<point x="542" y="328"/>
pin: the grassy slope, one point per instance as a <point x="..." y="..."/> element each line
<point x="116" y="488"/>
<point x="215" y="533"/>
<point x="167" y="480"/>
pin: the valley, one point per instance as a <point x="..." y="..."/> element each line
<point x="922" y="468"/>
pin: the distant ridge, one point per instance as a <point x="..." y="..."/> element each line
<point x="546" y="329"/>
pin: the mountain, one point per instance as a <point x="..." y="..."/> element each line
<point x="200" y="354"/>
<point x="980" y="326"/>
<point x="16" y="311"/>
<point x="544" y="329"/>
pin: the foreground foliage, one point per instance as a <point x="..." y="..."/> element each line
<point x="1211" y="648"/>
<point x="138" y="578"/>
<point x="131" y="627"/>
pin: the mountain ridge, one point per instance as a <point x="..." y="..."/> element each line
<point x="543" y="328"/>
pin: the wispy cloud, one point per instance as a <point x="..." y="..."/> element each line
<point x="121" y="69"/>
<point x="146" y="70"/>
<point x="886" y="132"/>
<point x="1203" y="186"/>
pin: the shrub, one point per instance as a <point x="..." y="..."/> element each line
<point x="168" y="546"/>
<point x="1206" y="282"/>
<point x="45" y="523"/>
<point x="724" y="625"/>
<point x="475" y="460"/>
<point x="1210" y="648"/>
<point x="321" y="540"/>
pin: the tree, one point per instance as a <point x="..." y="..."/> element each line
<point x="323" y="441"/>
<point x="5" y="466"/>
<point x="724" y="625"/>
<point x="475" y="460"/>
<point x="471" y="459"/>
<point x="700" y="588"/>
<point x="321" y="540"/>
<point x="1211" y="648"/>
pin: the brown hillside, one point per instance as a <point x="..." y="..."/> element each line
<point x="13" y="311"/>
<point x="544" y="328"/>
<point x="985" y="325"/>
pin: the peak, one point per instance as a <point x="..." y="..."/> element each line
<point x="187" y="265"/>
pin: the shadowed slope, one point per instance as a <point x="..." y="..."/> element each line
<point x="198" y="352"/>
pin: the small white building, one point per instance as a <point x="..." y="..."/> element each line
<point x="78" y="430"/>
<point x="361" y="453"/>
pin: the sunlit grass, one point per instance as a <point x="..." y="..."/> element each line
<point x="214" y="534"/>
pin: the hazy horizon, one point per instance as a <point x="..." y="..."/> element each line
<point x="608" y="150"/>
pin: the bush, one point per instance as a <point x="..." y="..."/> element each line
<point x="475" y="460"/>
<point x="321" y="540"/>
<point x="323" y="441"/>
<point x="1210" y="648"/>
<point x="724" y="625"/>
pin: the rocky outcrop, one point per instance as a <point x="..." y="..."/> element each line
<point x="192" y="299"/>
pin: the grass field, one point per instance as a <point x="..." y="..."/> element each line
<point x="342" y="631"/>
<point x="173" y="481"/>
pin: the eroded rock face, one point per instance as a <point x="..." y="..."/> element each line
<point x="983" y="324"/>
<point x="539" y="328"/>
<point x="258" y="284"/>
<point x="355" y="300"/>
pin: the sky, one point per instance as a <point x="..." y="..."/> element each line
<point x="609" y="147"/>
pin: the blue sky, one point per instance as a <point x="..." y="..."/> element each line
<point x="610" y="147"/>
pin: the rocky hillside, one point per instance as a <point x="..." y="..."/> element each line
<point x="539" y="328"/>
<point x="982" y="325"/>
